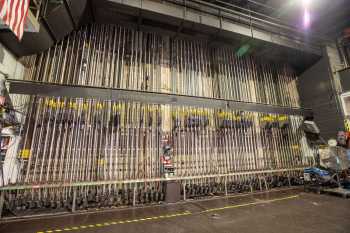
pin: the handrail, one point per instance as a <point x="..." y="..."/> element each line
<point x="278" y="24"/>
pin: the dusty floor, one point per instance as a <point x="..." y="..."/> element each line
<point x="289" y="211"/>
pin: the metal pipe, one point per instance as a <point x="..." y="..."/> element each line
<point x="90" y="150"/>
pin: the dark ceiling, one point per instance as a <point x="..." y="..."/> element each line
<point x="328" y="17"/>
<point x="70" y="15"/>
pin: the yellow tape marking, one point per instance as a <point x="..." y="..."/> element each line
<point x="249" y="204"/>
<point x="173" y="215"/>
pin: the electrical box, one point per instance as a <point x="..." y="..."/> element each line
<point x="345" y="100"/>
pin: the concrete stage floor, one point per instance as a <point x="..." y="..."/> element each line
<point x="288" y="211"/>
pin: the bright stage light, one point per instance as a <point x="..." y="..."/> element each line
<point x="306" y="3"/>
<point x="306" y="18"/>
<point x="306" y="15"/>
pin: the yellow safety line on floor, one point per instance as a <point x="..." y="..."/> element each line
<point x="163" y="216"/>
<point x="116" y="222"/>
<point x="248" y="204"/>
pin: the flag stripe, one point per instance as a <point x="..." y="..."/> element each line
<point x="24" y="18"/>
<point x="6" y="2"/>
<point x="11" y="9"/>
<point x="18" y="20"/>
<point x="14" y="13"/>
<point x="3" y="6"/>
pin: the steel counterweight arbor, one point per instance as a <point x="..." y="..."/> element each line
<point x="79" y="153"/>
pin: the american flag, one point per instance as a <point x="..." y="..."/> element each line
<point x="14" y="13"/>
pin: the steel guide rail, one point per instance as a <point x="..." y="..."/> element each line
<point x="59" y="128"/>
<point x="95" y="183"/>
<point x="123" y="58"/>
<point x="111" y="146"/>
<point x="77" y="91"/>
<point x="103" y="104"/>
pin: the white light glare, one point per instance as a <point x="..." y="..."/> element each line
<point x="306" y="3"/>
<point x="306" y="18"/>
